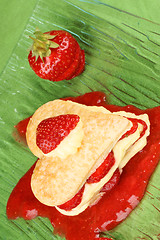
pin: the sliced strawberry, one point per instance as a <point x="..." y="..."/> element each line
<point x="132" y="129"/>
<point x="54" y="55"/>
<point x="144" y="127"/>
<point x="51" y="131"/>
<point x="74" y="202"/>
<point x="81" y="66"/>
<point x="59" y="59"/>
<point x="103" y="169"/>
<point x="72" y="68"/>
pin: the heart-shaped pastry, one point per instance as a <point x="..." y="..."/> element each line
<point x="94" y="144"/>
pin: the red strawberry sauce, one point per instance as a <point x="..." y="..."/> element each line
<point x="103" y="169"/>
<point x="74" y="202"/>
<point x="116" y="204"/>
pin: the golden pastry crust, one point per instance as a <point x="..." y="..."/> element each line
<point x="56" y="180"/>
<point x="52" y="109"/>
<point x="123" y="151"/>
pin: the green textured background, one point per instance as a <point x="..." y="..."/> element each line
<point x="121" y="40"/>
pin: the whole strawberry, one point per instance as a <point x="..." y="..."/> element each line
<point x="56" y="55"/>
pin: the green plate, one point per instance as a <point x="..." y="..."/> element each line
<point x="121" y="40"/>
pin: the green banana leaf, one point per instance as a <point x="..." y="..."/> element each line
<point x="121" y="40"/>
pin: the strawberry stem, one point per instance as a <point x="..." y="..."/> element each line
<point x="42" y="44"/>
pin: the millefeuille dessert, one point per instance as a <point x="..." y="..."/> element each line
<point x="79" y="149"/>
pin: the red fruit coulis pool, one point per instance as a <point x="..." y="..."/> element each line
<point x="122" y="193"/>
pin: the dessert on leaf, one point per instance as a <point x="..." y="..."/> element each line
<point x="94" y="163"/>
<point x="79" y="149"/>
